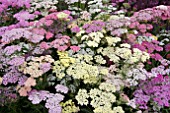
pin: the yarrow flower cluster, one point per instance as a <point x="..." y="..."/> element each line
<point x="101" y="98"/>
<point x="155" y="90"/>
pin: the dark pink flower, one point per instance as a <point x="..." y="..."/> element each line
<point x="75" y="48"/>
<point x="49" y="35"/>
<point x="167" y="47"/>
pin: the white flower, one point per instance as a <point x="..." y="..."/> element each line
<point x="162" y="7"/>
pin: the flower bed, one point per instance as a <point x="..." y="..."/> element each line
<point x="84" y="56"/>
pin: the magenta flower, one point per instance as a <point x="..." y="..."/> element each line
<point x="167" y="47"/>
<point x="155" y="90"/>
<point x="75" y="29"/>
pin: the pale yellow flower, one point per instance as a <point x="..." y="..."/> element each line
<point x="62" y="15"/>
<point x="104" y="71"/>
<point x="118" y="109"/>
<point x="107" y="87"/>
<point x="69" y="107"/>
<point x="82" y="97"/>
<point x="1" y="80"/>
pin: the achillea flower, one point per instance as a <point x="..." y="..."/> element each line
<point x="1" y="80"/>
<point x="150" y="47"/>
<point x="75" y="29"/>
<point x="37" y="96"/>
<point x="69" y="106"/>
<point x="11" y="77"/>
<point x="62" y="48"/>
<point x="30" y="82"/>
<point x="44" y="45"/>
<point x="94" y="26"/>
<point x="155" y="90"/>
<point x="22" y="80"/>
<point x="43" y="6"/>
<point x="75" y="48"/>
<point x="49" y="35"/>
<point x="86" y="72"/>
<point x="23" y="91"/>
<point x="118" y="109"/>
<point x="11" y="49"/>
<point x="61" y="88"/>
<point x="16" y="61"/>
<point x="45" y="67"/>
<point x="167" y="47"/>
<point x="18" y="33"/>
<point x="53" y="103"/>
<point x="82" y="97"/>
<point x="24" y="16"/>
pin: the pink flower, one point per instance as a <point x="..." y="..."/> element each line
<point x="48" y="22"/>
<point x="167" y="47"/>
<point x="62" y="48"/>
<point x="149" y="26"/>
<point x="39" y="31"/>
<point x="65" y="37"/>
<point x="30" y="82"/>
<point x="37" y="13"/>
<point x="75" y="48"/>
<point x="142" y="28"/>
<point x="132" y="25"/>
<point x="44" y="45"/>
<point x="23" y="91"/>
<point x="67" y="12"/>
<point x="158" y="48"/>
<point x="23" y="16"/>
<point x="147" y="34"/>
<point x="131" y="37"/>
<point x="156" y="56"/>
<point x="49" y="35"/>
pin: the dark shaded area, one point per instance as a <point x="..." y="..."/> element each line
<point x="143" y="4"/>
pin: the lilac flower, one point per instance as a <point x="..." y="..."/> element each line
<point x="52" y="103"/>
<point x="16" y="61"/>
<point x="57" y="109"/>
<point x="18" y="33"/>
<point x="45" y="67"/>
<point x="75" y="29"/>
<point x="61" y="88"/>
<point x="11" y="49"/>
<point x="160" y="70"/>
<point x="94" y="26"/>
<point x="11" y="77"/>
<point x="53" y="100"/>
<point x="24" y="16"/>
<point x="165" y="62"/>
<point x="22" y="80"/>
<point x="141" y="99"/>
<point x="37" y="96"/>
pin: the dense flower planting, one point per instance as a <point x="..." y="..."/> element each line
<point x="84" y="56"/>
